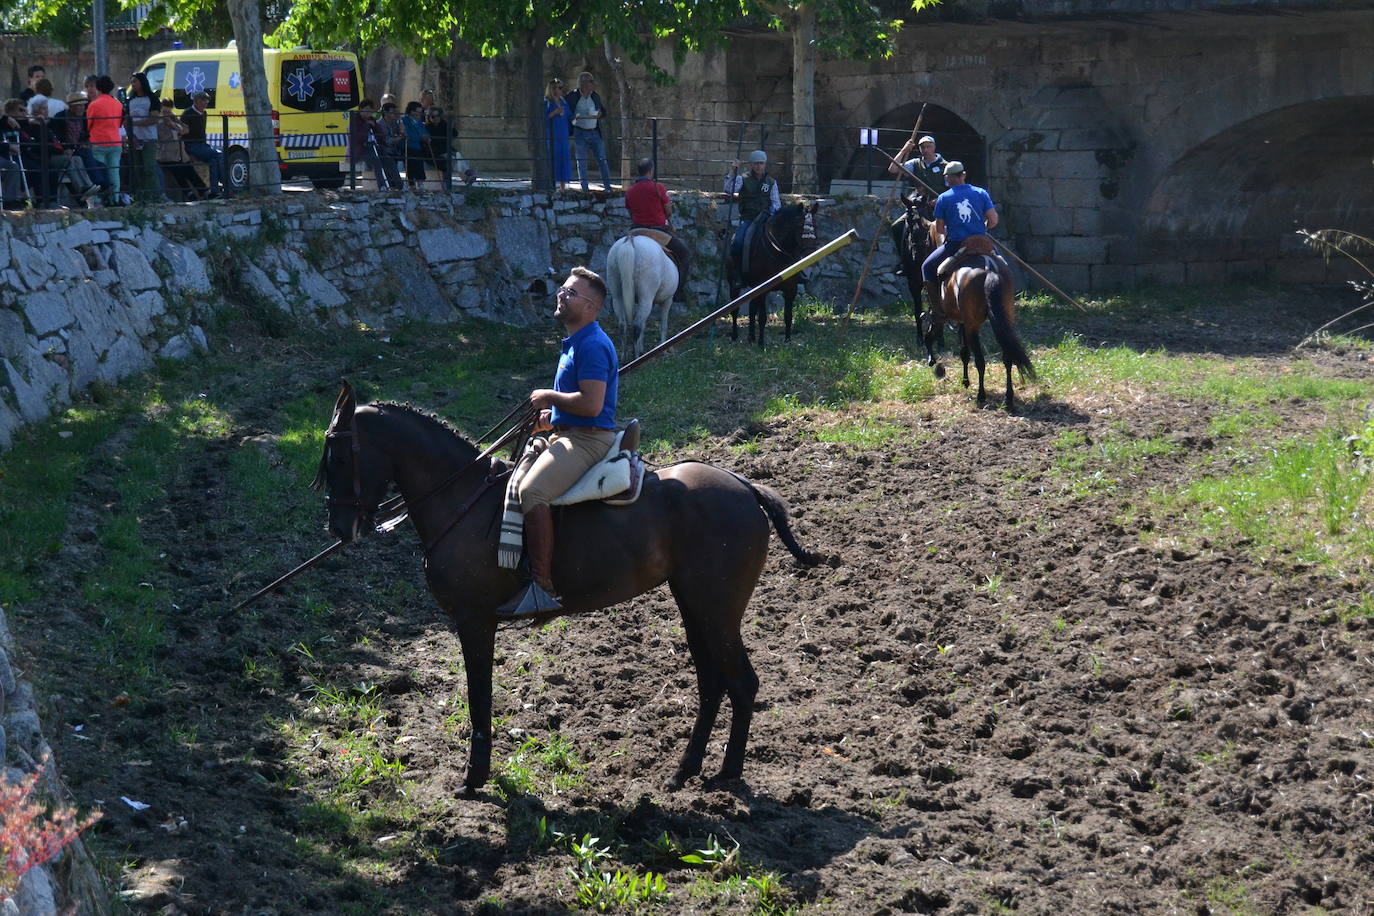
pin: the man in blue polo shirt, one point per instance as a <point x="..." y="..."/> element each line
<point x="580" y="411"/>
<point x="962" y="211"/>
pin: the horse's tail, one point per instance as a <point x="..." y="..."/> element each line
<point x="620" y="280"/>
<point x="776" y="510"/>
<point x="1001" y="297"/>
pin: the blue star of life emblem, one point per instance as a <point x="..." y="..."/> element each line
<point x="195" y="81"/>
<point x="234" y="81"/>
<point x="300" y="86"/>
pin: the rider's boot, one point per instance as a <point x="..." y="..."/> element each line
<point x="538" y="597"/>
<point x="933" y="295"/>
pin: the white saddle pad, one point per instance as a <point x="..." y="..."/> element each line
<point x="609" y="476"/>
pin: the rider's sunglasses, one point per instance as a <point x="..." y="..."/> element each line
<point x="567" y="292"/>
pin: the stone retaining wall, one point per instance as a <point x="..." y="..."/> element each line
<point x="69" y="883"/>
<point x="94" y="297"/>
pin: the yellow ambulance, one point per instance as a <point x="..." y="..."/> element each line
<point x="313" y="94"/>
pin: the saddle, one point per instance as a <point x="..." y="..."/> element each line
<point x="663" y="238"/>
<point x="972" y="247"/>
<point x="617" y="479"/>
<point x="750" y="235"/>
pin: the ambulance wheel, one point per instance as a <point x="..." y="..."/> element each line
<point x="236" y="164"/>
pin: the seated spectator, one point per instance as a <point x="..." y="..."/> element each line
<point x="78" y="139"/>
<point x="171" y="155"/>
<point x="21" y="149"/>
<point x="65" y="166"/>
<point x="43" y="92"/>
<point x="197" y="144"/>
<point x="12" y="178"/>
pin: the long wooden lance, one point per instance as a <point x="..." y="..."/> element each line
<point x="877" y="233"/>
<point x="395" y="509"/>
<point x="1000" y="245"/>
<point x="730" y="212"/>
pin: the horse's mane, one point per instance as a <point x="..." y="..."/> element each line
<point x="421" y="413"/>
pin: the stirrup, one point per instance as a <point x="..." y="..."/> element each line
<point x="533" y="600"/>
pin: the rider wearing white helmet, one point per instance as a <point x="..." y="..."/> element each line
<point x="758" y="197"/>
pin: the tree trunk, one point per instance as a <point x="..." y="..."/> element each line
<point x="622" y="90"/>
<point x="536" y="133"/>
<point x="264" y="166"/>
<point x="804" y="100"/>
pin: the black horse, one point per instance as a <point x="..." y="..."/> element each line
<point x="786" y="237"/>
<point x="701" y="529"/>
<point x="911" y="233"/>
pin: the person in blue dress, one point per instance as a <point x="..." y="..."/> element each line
<point x="558" y="120"/>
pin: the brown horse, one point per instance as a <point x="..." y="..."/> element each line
<point x="980" y="289"/>
<point x="785" y="238"/>
<point x="701" y="529"/>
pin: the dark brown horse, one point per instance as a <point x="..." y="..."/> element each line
<point x="911" y="235"/>
<point x="701" y="529"/>
<point x="787" y="237"/>
<point x="978" y="290"/>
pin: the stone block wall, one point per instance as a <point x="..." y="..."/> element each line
<point x="70" y="882"/>
<point x="94" y="297"/>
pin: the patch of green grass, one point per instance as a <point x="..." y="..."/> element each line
<point x="1241" y="423"/>
<point x="863" y="435"/>
<point x="37" y="477"/>
<point x="1228" y="897"/>
<point x="539" y="766"/>
<point x="1307" y="496"/>
<point x="735" y="382"/>
<point x="1103" y="464"/>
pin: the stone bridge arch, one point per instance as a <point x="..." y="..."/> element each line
<point x="1231" y="205"/>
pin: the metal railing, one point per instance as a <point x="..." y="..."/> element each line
<point x="330" y="150"/>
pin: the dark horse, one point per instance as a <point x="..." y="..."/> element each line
<point x="980" y="289"/>
<point x="787" y="237"/>
<point x="911" y="233"/>
<point x="701" y="529"/>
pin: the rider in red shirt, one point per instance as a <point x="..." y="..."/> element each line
<point x="649" y="206"/>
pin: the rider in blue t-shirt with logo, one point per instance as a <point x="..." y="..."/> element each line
<point x="962" y="211"/>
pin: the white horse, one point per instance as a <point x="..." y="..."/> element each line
<point x="639" y="275"/>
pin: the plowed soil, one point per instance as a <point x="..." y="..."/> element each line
<point x="1002" y="694"/>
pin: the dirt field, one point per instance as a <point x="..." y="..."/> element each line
<point x="1008" y="693"/>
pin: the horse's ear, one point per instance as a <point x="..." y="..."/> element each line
<point x="815" y="207"/>
<point x="344" y="406"/>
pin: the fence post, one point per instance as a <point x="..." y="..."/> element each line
<point x="868" y="171"/>
<point x="654" y="144"/>
<point x="228" y="185"/>
<point x="46" y="184"/>
<point x="448" y="155"/>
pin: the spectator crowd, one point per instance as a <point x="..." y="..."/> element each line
<point x="99" y="147"/>
<point x="391" y="148"/>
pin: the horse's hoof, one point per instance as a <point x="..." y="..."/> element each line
<point x="939" y="370"/>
